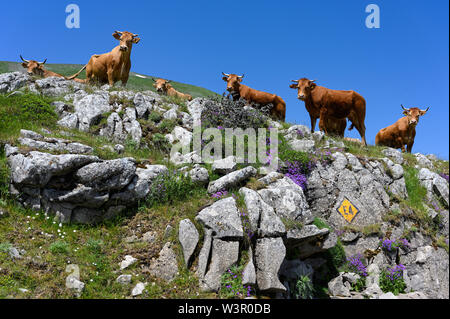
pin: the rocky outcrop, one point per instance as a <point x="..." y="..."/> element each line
<point x="78" y="188"/>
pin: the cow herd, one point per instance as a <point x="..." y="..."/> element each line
<point x="331" y="107"/>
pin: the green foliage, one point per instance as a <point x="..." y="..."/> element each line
<point x="304" y="288"/>
<point x="26" y="111"/>
<point x="155" y="116"/>
<point x="389" y="283"/>
<point x="59" y="247"/>
<point x="4" y="174"/>
<point x="337" y="255"/>
<point x="160" y="142"/>
<point x="360" y="284"/>
<point x="416" y="192"/>
<point x="231" y="284"/>
<point x="171" y="187"/>
<point x="167" y="125"/>
<point x="320" y="223"/>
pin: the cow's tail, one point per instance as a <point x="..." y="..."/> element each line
<point x="76" y="74"/>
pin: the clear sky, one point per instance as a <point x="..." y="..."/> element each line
<point x="405" y="61"/>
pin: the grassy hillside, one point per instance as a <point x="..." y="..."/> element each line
<point x="134" y="82"/>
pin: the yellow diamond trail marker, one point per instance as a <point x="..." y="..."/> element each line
<point x="348" y="210"/>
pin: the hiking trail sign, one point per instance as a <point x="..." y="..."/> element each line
<point x="347" y="210"/>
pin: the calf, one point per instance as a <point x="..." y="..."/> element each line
<point x="237" y="89"/>
<point x="402" y="132"/>
<point x="164" y="86"/>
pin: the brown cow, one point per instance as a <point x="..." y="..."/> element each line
<point x="37" y="68"/>
<point x="235" y="87"/>
<point x="164" y="86"/>
<point x="114" y="66"/>
<point x="402" y="132"/>
<point x="332" y="105"/>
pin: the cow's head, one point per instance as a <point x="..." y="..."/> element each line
<point x="33" y="67"/>
<point x="304" y="87"/>
<point x="161" y="85"/>
<point x="126" y="40"/>
<point x="413" y="114"/>
<point x="233" y="81"/>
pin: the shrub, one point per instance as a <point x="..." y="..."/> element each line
<point x="304" y="288"/>
<point x="391" y="280"/>
<point x="223" y="112"/>
<point x="160" y="142"/>
<point x="170" y="187"/>
<point x="155" y="117"/>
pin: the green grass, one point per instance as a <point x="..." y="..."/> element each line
<point x="134" y="82"/>
<point x="27" y="111"/>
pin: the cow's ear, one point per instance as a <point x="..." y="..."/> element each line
<point x="313" y="86"/>
<point x="136" y="40"/>
<point x="293" y="86"/>
<point x="225" y="78"/>
<point x="25" y="65"/>
<point x="405" y="113"/>
<point x="239" y="80"/>
<point x="116" y="36"/>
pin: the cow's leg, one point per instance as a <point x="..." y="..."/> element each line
<point x="409" y="146"/>
<point x="110" y="74"/>
<point x="358" y="122"/>
<point x="313" y="123"/>
<point x="125" y="74"/>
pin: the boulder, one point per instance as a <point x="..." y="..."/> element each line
<point x="269" y="255"/>
<point x="222" y="218"/>
<point x="188" y="237"/>
<point x="231" y="180"/>
<point x="165" y="266"/>
<point x="224" y="254"/>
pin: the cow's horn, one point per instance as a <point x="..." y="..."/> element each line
<point x="241" y="76"/>
<point x="135" y="35"/>
<point x="296" y="81"/>
<point x="312" y="81"/>
<point x="43" y="62"/>
<point x="26" y="61"/>
<point x="405" y="109"/>
<point x="120" y="32"/>
<point x="225" y="74"/>
<point x="426" y="109"/>
<point x="153" y="79"/>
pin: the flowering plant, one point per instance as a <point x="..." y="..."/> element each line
<point x="392" y="245"/>
<point x="232" y="286"/>
<point x="391" y="279"/>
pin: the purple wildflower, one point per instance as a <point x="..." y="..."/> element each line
<point x="356" y="265"/>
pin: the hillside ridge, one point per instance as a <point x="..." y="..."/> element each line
<point x="88" y="182"/>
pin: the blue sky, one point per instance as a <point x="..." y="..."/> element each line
<point x="406" y="61"/>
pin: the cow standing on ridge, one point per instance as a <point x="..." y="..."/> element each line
<point x="164" y="86"/>
<point x="114" y="66"/>
<point x="403" y="131"/>
<point x="332" y="105"/>
<point x="237" y="89"/>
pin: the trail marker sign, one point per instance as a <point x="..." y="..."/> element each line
<point x="347" y="210"/>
